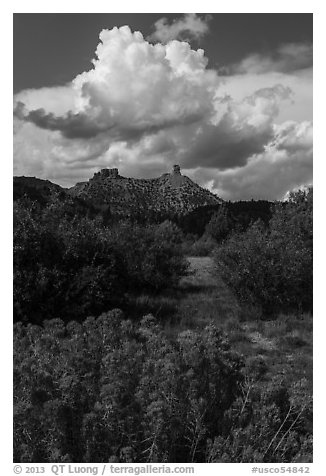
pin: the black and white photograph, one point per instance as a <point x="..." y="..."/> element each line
<point x="162" y="239"/>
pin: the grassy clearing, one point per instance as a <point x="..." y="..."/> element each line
<point x="278" y="349"/>
<point x="203" y="297"/>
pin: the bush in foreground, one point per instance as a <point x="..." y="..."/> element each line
<point x="112" y="390"/>
<point x="108" y="389"/>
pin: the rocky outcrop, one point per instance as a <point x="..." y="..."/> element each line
<point x="172" y="193"/>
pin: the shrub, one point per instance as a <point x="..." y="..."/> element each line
<point x="73" y="266"/>
<point x="63" y="267"/>
<point x="110" y="390"/>
<point x="169" y="232"/>
<point x="272" y="267"/>
<point x="270" y="424"/>
<point x="151" y="259"/>
<point x="202" y="246"/>
<point x="221" y="224"/>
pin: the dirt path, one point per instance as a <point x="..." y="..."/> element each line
<point x="205" y="298"/>
<point x="259" y="340"/>
<point x="202" y="296"/>
<point x="201" y="272"/>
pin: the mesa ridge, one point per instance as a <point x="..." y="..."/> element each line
<point x="170" y="193"/>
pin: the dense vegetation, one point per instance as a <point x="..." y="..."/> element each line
<point x="106" y="389"/>
<point x="75" y="266"/>
<point x="272" y="267"/>
<point x="203" y="387"/>
<point x="240" y="216"/>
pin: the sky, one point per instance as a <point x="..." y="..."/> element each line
<point x="226" y="96"/>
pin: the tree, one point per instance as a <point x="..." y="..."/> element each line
<point x="271" y="267"/>
<point x="72" y="266"/>
<point x="220" y="225"/>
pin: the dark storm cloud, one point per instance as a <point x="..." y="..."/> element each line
<point x="244" y="130"/>
<point x="84" y="126"/>
<point x="72" y="126"/>
<point x="285" y="163"/>
<point x="226" y="148"/>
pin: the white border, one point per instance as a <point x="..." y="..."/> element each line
<point x="229" y="6"/>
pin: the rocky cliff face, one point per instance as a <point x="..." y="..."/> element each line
<point x="172" y="193"/>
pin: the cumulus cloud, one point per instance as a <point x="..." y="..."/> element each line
<point x="289" y="65"/>
<point x="190" y="26"/>
<point x="134" y="87"/>
<point x="143" y="107"/>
